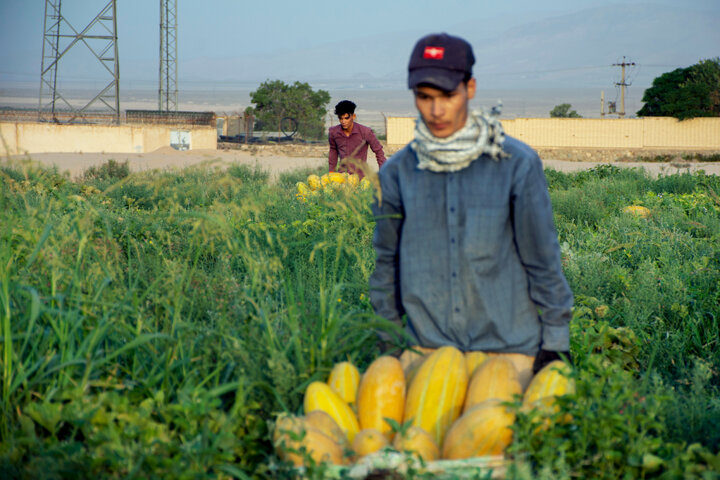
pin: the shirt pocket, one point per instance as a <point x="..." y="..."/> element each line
<point x="487" y="234"/>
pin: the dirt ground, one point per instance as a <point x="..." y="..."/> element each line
<point x="167" y="158"/>
<point x="282" y="158"/>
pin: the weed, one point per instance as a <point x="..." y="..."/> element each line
<point x="154" y="324"/>
<point x="110" y="170"/>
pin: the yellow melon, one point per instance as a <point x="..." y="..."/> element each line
<point x="302" y="189"/>
<point x="294" y="441"/>
<point x="381" y="395"/>
<point x="411" y="359"/>
<point x="320" y="420"/>
<point x="550" y="382"/>
<point x="344" y="379"/>
<point x="287" y="423"/>
<point x="319" y="396"/>
<point x="437" y="392"/>
<point x="417" y="441"/>
<point x="637" y="210"/>
<point x="314" y="182"/>
<point x="336" y="177"/>
<point x="496" y="378"/>
<point x="368" y="441"/>
<point x="482" y="430"/>
<point x="474" y="360"/>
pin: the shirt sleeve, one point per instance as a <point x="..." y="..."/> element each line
<point x="385" y="279"/>
<point x="376" y="147"/>
<point x="537" y="244"/>
<point x="333" y="153"/>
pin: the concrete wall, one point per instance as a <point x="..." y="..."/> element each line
<point x="636" y="133"/>
<point x="399" y="130"/>
<point x="18" y="138"/>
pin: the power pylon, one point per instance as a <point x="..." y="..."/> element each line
<point x="168" y="93"/>
<point x="100" y="37"/>
<point x="622" y="85"/>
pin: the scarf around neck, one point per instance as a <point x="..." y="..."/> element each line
<point x="482" y="134"/>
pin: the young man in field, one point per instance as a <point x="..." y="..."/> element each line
<point x="465" y="241"/>
<point x="351" y="140"/>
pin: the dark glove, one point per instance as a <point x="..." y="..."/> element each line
<point x="544" y="357"/>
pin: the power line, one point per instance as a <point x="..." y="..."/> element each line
<point x="555" y="70"/>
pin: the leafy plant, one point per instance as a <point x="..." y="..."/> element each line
<point x="685" y="92"/>
<point x="563" y="111"/>
<point x="110" y="170"/>
<point x="610" y="428"/>
<point x="275" y="100"/>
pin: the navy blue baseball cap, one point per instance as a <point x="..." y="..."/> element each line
<point x="440" y="60"/>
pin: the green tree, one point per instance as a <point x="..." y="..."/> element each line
<point x="685" y="92"/>
<point x="563" y="111"/>
<point x="275" y="100"/>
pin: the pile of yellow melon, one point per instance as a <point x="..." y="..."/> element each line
<point x="329" y="183"/>
<point x="637" y="210"/>
<point x="449" y="406"/>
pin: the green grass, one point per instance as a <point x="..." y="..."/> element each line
<point x="154" y="324"/>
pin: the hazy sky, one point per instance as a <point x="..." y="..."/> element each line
<point x="224" y="30"/>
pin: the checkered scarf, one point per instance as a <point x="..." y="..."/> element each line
<point x="482" y="134"/>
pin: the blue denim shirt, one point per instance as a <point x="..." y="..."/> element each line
<point x="471" y="257"/>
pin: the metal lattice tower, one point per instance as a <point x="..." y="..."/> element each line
<point x="100" y="37"/>
<point x="168" y="93"/>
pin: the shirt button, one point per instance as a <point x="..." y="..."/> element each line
<point x="452" y="240"/>
<point x="457" y="310"/>
<point x="452" y="209"/>
<point x="454" y="274"/>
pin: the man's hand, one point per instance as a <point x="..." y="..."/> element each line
<point x="544" y="357"/>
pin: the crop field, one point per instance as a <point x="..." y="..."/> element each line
<point x="153" y="325"/>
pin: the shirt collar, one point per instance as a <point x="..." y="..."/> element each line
<point x="356" y="129"/>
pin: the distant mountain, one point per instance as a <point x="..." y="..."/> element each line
<point x="573" y="50"/>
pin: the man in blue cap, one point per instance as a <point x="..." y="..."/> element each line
<point x="467" y="251"/>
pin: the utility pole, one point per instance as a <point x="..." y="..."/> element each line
<point x="167" y="92"/>
<point x="622" y="84"/>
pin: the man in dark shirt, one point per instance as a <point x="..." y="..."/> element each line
<point x="350" y="140"/>
<point x="464" y="236"/>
